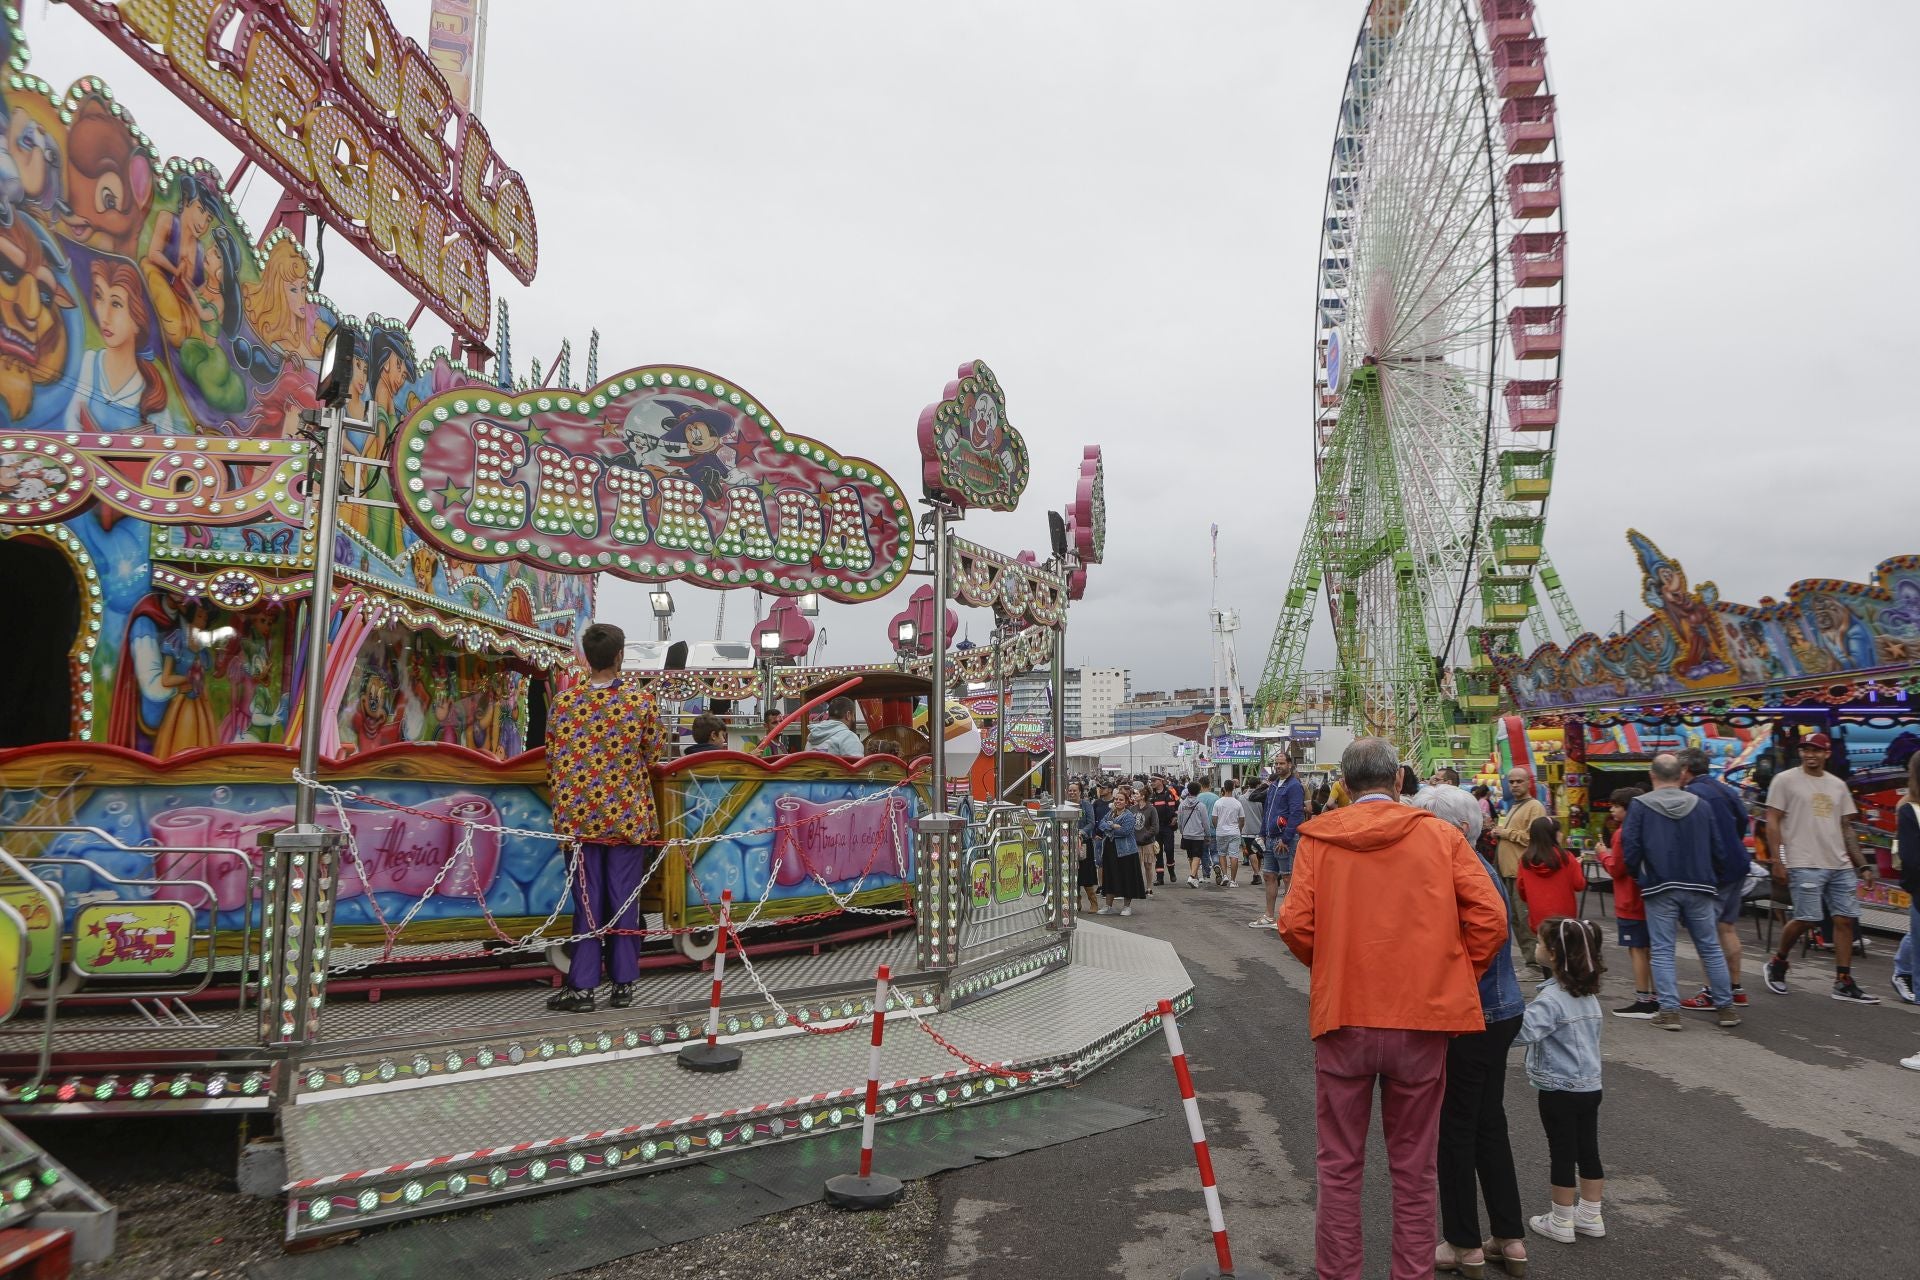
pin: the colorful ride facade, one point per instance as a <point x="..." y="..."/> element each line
<point x="1742" y="682"/>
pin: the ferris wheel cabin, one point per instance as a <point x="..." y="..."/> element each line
<point x="1507" y="19"/>
<point x="1528" y="124"/>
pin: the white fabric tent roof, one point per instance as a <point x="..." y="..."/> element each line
<point x="1127" y="751"/>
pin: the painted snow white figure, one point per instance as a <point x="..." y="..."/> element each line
<point x="602" y="736"/>
<point x="160" y="702"/>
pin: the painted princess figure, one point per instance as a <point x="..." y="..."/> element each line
<point x="117" y="388"/>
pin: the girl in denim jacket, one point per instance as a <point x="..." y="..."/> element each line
<point x="1562" y="1035"/>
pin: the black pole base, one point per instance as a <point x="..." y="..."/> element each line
<point x="1212" y="1271"/>
<point x="851" y="1191"/>
<point x="710" y="1057"/>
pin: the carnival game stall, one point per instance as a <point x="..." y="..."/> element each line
<point x="1744" y="682"/>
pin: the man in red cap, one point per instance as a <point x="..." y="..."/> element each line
<point x="1817" y="857"/>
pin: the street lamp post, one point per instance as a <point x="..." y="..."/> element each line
<point x="767" y="640"/>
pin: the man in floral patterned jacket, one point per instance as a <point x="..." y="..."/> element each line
<point x="602" y="735"/>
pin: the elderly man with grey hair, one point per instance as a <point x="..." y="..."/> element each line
<point x="1473" y="1113"/>
<point x="1397" y="919"/>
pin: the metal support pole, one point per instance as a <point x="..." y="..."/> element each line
<point x="301" y="869"/>
<point x="323" y="489"/>
<point x="937" y="700"/>
<point x="1065" y="890"/>
<point x="1059" y="726"/>
<point x="1000" y="634"/>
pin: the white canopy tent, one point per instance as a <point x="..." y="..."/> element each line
<point x="1129" y="754"/>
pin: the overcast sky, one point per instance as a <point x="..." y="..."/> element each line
<point x="834" y="204"/>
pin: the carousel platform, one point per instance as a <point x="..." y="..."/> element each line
<point x="113" y="1057"/>
<point x="371" y="1137"/>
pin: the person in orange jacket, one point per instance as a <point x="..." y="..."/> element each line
<point x="1395" y="916"/>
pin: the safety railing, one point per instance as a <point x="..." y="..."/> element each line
<point x="133" y="928"/>
<point x="44" y="905"/>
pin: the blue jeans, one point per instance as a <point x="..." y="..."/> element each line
<point x="1699" y="911"/>
<point x="1903" y="959"/>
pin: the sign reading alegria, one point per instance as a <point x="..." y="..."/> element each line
<point x="657" y="474"/>
<point x="970" y="455"/>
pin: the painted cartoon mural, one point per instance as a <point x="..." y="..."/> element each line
<point x="154" y="363"/>
<point x="1695" y="643"/>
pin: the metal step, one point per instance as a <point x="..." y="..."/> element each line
<point x="38" y="1191"/>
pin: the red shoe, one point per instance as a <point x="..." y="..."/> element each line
<point x="1704" y="1000"/>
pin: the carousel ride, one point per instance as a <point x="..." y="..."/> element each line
<point x="1436" y="383"/>
<point x="1744" y="682"/>
<point x="274" y="831"/>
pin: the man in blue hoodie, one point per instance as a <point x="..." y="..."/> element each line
<point x="1678" y="853"/>
<point x="1280" y="819"/>
<point x="1730" y="811"/>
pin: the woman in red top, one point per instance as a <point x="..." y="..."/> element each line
<point x="1550" y="878"/>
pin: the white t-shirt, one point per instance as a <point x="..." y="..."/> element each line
<point x="1228" y="816"/>
<point x="1816" y="811"/>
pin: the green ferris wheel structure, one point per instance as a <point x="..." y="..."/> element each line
<point x="1439" y="324"/>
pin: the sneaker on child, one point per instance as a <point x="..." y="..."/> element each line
<point x="1553" y="1226"/>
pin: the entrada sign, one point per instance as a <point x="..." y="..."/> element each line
<point x="970" y="455"/>
<point x="352" y="119"/>
<point x="659" y="473"/>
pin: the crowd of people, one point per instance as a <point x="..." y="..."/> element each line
<point x="1414" y="905"/>
<point x="1133" y="828"/>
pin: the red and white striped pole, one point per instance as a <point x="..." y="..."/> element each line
<point x="866" y="1189"/>
<point x="1198" y="1133"/>
<point x="714" y="1056"/>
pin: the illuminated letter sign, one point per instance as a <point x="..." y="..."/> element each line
<point x="353" y="120"/>
<point x="970" y="455"/>
<point x="656" y="474"/>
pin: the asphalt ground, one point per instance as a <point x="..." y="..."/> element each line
<point x="1786" y="1148"/>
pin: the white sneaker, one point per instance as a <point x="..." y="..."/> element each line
<point x="1262" y="923"/>
<point x="1587" y="1223"/>
<point x="1553" y="1228"/>
<point x="1911" y="1064"/>
<point x="1193" y="882"/>
<point x="1126" y="911"/>
<point x="1104" y="911"/>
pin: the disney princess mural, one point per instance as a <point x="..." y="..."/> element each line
<point x="119" y="386"/>
<point x="161" y="702"/>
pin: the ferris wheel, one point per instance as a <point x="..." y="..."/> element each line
<point x="1439" y="324"/>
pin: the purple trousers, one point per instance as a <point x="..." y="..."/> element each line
<point x="608" y="874"/>
<point x="1411" y="1070"/>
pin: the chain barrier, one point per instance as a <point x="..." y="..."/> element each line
<point x="780" y="1010"/>
<point x="537" y="939"/>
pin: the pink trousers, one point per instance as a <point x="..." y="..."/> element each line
<point x="1411" y="1068"/>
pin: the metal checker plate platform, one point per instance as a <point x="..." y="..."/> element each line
<point x="352" y="1160"/>
<point x="409" y="1016"/>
